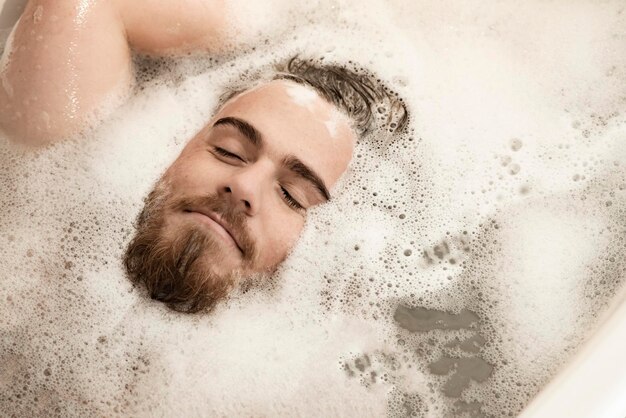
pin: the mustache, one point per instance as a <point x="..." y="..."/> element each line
<point x="235" y="220"/>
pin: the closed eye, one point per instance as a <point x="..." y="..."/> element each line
<point x="289" y="200"/>
<point x="224" y="153"/>
<point x="293" y="203"/>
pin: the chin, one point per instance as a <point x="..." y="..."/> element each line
<point x="188" y="272"/>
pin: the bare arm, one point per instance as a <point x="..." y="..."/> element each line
<point x="66" y="58"/>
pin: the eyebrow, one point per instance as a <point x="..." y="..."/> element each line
<point x="291" y="162"/>
<point x="298" y="167"/>
<point x="248" y="131"/>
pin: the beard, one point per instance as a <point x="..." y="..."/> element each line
<point x="179" y="268"/>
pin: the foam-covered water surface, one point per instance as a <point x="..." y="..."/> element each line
<point x="456" y="269"/>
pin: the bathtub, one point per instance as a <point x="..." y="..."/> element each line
<point x="592" y="384"/>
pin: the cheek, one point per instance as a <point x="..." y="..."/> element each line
<point x="279" y="239"/>
<point x="193" y="175"/>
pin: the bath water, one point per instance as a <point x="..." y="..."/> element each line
<point x="458" y="267"/>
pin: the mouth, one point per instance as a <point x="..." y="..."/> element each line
<point x="217" y="224"/>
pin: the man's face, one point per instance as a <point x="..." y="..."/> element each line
<point x="243" y="184"/>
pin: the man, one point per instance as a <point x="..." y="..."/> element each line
<point x="234" y="202"/>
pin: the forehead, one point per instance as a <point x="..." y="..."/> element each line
<point x="294" y="119"/>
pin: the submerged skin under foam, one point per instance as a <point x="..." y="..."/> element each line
<point x="457" y="268"/>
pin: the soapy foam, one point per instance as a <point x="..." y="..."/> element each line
<point x="333" y="122"/>
<point x="457" y="268"/>
<point x="302" y="96"/>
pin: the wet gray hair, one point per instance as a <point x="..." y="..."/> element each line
<point x="357" y="92"/>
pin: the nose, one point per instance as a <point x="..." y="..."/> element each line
<point x="244" y="187"/>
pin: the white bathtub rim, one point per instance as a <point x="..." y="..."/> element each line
<point x="593" y="383"/>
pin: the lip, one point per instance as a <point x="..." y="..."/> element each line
<point x="217" y="224"/>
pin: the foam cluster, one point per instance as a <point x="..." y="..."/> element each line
<point x="459" y="265"/>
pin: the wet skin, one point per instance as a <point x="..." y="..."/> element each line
<point x="271" y="153"/>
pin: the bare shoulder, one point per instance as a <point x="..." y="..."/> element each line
<point x="62" y="60"/>
<point x="165" y="27"/>
<point x="66" y="58"/>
